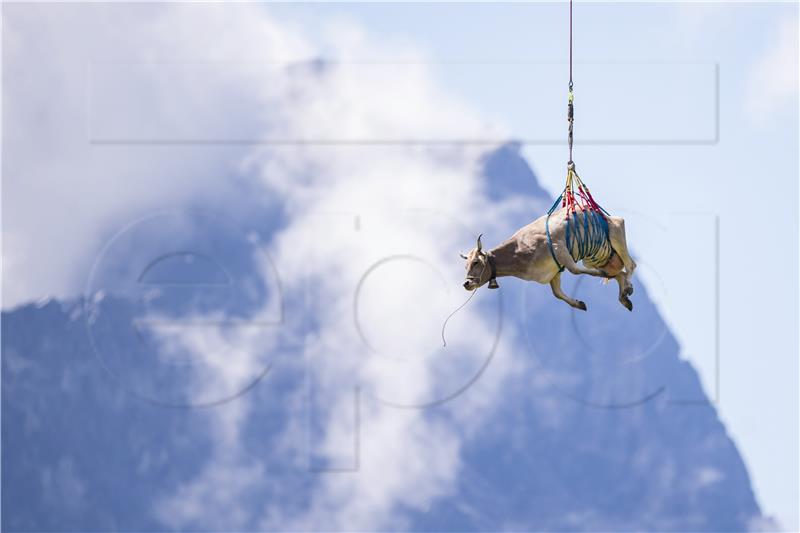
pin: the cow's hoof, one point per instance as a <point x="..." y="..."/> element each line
<point x="581" y="306"/>
<point x="627" y="303"/>
<point x="629" y="290"/>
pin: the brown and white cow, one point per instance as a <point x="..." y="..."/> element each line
<point x="527" y="255"/>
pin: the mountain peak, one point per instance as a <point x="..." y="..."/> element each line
<point x="509" y="174"/>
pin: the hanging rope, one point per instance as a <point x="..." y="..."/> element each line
<point x="587" y="225"/>
<point x="460" y="307"/>
<point x="570" y="108"/>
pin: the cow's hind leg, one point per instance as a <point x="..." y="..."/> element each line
<point x="555" y="284"/>
<point x="569" y="263"/>
<point x="624" y="287"/>
<point x="616" y="234"/>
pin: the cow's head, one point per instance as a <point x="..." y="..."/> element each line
<point x="478" y="269"/>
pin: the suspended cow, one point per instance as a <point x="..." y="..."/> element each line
<point x="581" y="232"/>
<point x="539" y="252"/>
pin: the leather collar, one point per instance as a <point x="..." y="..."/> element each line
<point x="493" y="277"/>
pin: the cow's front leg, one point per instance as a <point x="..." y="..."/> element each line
<point x="624" y="290"/>
<point x="555" y="284"/>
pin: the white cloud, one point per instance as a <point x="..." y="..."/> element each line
<point x="772" y="83"/>
<point x="65" y="203"/>
<point x="62" y="196"/>
<point x="406" y="458"/>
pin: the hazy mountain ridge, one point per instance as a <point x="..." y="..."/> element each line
<point x="594" y="434"/>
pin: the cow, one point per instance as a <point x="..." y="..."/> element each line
<point x="539" y="252"/>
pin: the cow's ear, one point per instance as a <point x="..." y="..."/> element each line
<point x="463" y="256"/>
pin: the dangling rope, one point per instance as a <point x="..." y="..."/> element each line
<point x="459" y="308"/>
<point x="462" y="306"/>
<point x="587" y="226"/>
<point x="570" y="109"/>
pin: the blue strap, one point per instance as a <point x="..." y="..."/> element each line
<point x="568" y="235"/>
<point x="547" y="230"/>
<point x="586" y="234"/>
<point x="590" y="236"/>
<point x="555" y="204"/>
<point x="588" y="242"/>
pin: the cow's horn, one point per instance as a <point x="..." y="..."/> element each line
<point x="462" y="256"/>
<point x="479" y="242"/>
